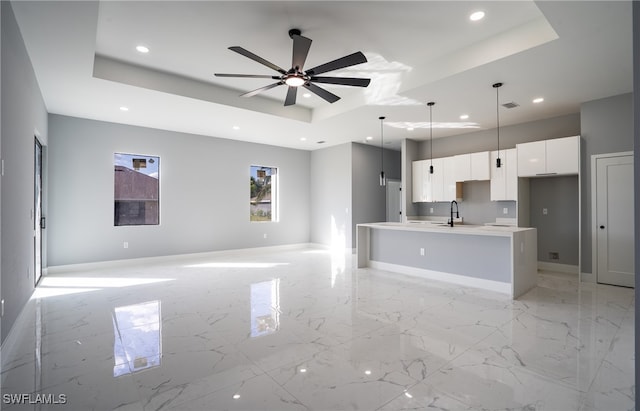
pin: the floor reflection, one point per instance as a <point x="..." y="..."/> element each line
<point x="138" y="337"/>
<point x="265" y="307"/>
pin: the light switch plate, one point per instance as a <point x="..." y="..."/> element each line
<point x="544" y="211"/>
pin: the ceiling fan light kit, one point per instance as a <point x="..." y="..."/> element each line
<point x="297" y="77"/>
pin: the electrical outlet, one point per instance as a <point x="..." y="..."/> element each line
<point x="265" y="235"/>
<point x="421" y="251"/>
<point x="554" y="255"/>
<point x="545" y="211"/>
<point x="431" y="210"/>
<point x="505" y="210"/>
<point x="125" y="244"/>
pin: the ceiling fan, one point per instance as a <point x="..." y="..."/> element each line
<point x="296" y="76"/>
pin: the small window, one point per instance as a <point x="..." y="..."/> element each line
<point x="263" y="196"/>
<point x="136" y="189"/>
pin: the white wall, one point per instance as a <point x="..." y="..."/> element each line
<point x="331" y="214"/>
<point x="23" y="115"/>
<point x="204" y="193"/>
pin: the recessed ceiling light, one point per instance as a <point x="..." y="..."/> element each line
<point x="303" y="370"/>
<point x="142" y="49"/>
<point x="236" y="127"/>
<point x="408" y="394"/>
<point x="538" y="100"/>
<point x="464" y="116"/>
<point x="303" y="139"/>
<point x="236" y="396"/>
<point x="475" y="16"/>
<point x="369" y="138"/>
<point x="409" y="128"/>
<point x="368" y="372"/>
<point x="306" y="95"/>
<point x="123" y="108"/>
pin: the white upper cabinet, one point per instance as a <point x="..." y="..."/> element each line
<point x="449" y="179"/>
<point x="439" y="186"/>
<point x="549" y="157"/>
<point x="462" y="164"/>
<point x="474" y="166"/>
<point x="563" y="155"/>
<point x="418" y="194"/>
<point x="504" y="180"/>
<point x="480" y="166"/>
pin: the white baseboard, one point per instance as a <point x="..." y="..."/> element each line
<point x="561" y="268"/>
<point x="587" y="278"/>
<point x="490" y="285"/>
<point x="164" y="258"/>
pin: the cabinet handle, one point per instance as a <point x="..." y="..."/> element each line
<point x="546" y="174"/>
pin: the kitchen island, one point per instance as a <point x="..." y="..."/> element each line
<point x="502" y="259"/>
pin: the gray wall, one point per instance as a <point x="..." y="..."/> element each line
<point x="484" y="140"/>
<point x="636" y="121"/>
<point x="24" y="117"/>
<point x="476" y="206"/>
<point x="409" y="153"/>
<point x="368" y="198"/>
<point x="204" y="193"/>
<point x="345" y="191"/>
<point x="331" y="196"/>
<point x="606" y="127"/>
<point x="558" y="229"/>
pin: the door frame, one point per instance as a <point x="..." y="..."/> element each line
<point x="38" y="149"/>
<point x="594" y="209"/>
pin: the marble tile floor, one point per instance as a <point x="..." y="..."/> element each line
<point x="299" y="328"/>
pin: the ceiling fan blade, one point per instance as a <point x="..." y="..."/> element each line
<point x="291" y="96"/>
<point x="342" y="62"/>
<point x="257" y="58"/>
<point x="247" y="75"/>
<point x="261" y="89"/>
<point x="301" y="47"/>
<point x="330" y="97"/>
<point x="344" y="81"/>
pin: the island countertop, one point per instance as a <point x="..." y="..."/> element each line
<point x="499" y="258"/>
<point x="466" y="229"/>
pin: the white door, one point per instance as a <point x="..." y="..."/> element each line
<point x="394" y="198"/>
<point x="615" y="220"/>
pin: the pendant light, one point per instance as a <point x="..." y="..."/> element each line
<point x="383" y="179"/>
<point x="431" y="104"/>
<point x="497" y="86"/>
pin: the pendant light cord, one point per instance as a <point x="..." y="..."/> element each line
<point x="498" y="118"/>
<point x="431" y="132"/>
<point x="497" y="86"/>
<point x="431" y="104"/>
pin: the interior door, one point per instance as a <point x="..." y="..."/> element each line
<point x="394" y="198"/>
<point x="37" y="214"/>
<point x="615" y="220"/>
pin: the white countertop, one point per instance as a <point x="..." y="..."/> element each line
<point x="465" y="229"/>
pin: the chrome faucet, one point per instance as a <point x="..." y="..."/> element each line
<point x="450" y="222"/>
